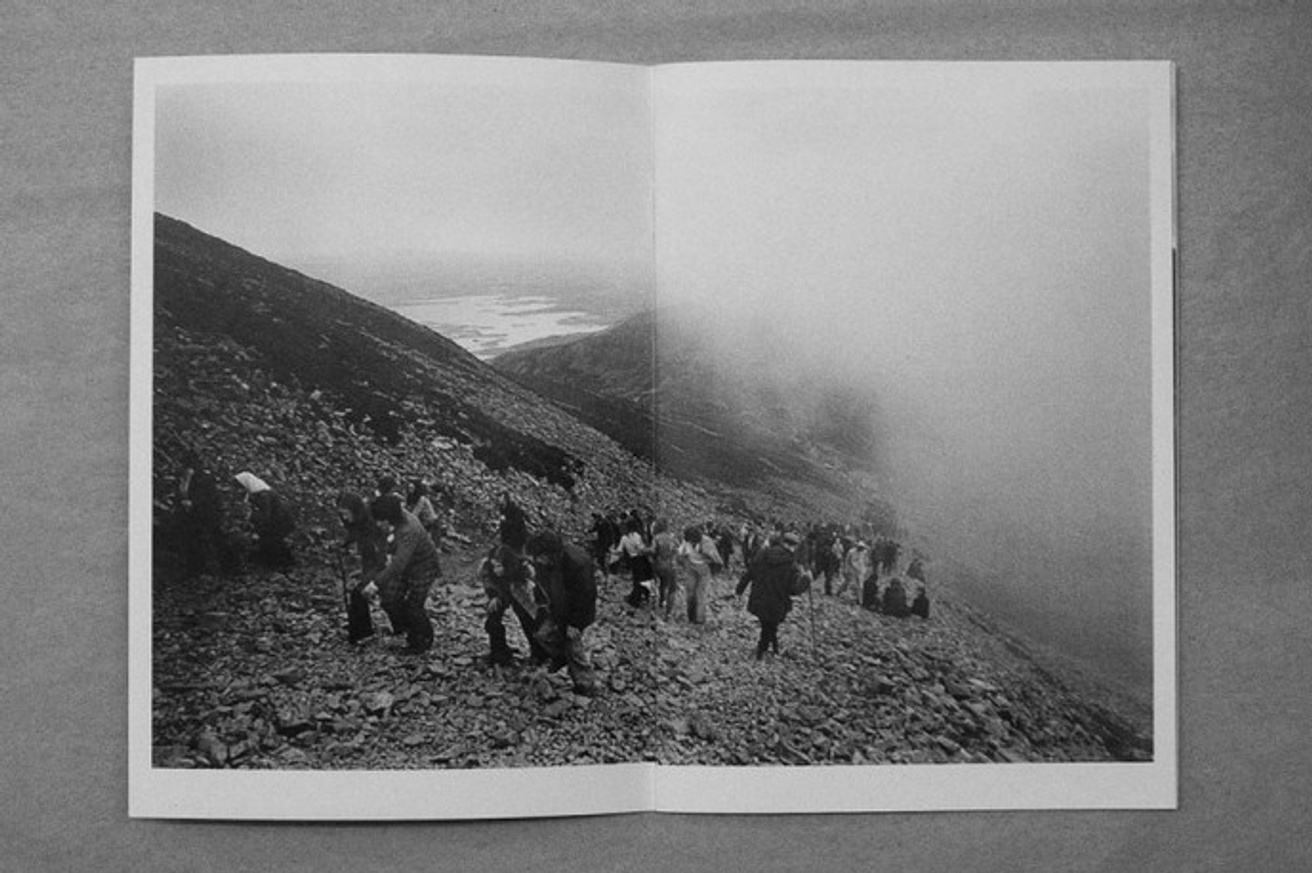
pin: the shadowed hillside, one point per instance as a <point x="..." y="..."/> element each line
<point x="652" y="383"/>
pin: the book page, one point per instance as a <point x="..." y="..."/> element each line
<point x="893" y="337"/>
<point x="327" y="252"/>
<point x="938" y="298"/>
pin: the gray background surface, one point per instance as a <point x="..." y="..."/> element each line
<point x="1245" y="194"/>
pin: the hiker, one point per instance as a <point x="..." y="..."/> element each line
<point x="888" y="554"/>
<point x="369" y="541"/>
<point x="386" y="485"/>
<point x="637" y="555"/>
<point x="724" y="545"/>
<point x="920" y="606"/>
<point x="664" y="553"/>
<point x="694" y="557"/>
<point x="507" y="578"/>
<point x="870" y="592"/>
<point x="201" y="517"/>
<point x="604" y="537"/>
<point x="411" y="570"/>
<point x="772" y="577"/>
<point x="916" y="570"/>
<point x="855" y="567"/>
<point x="420" y="505"/>
<point x="513" y="527"/>
<point x="830" y="558"/>
<point x="271" y="520"/>
<point x="567" y="577"/>
<point x="895" y="598"/>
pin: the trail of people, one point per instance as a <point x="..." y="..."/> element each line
<point x="256" y="671"/>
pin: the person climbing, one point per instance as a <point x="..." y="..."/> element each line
<point x="413" y="567"/>
<point x="362" y="532"/>
<point x="200" y="518"/>
<point x="773" y="577"/>
<point x="272" y="521"/>
<point x="419" y="504"/>
<point x="920" y="605"/>
<point x="637" y="554"/>
<point x="856" y="567"/>
<point x="916" y="569"/>
<point x="567" y="577"/>
<point x="694" y="559"/>
<point x="507" y="577"/>
<point x="895" y="598"/>
<point x="513" y="527"/>
<point x="664" y="554"/>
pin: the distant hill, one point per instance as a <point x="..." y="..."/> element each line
<point x="652" y="382"/>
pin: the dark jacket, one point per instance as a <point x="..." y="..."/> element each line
<point x="771" y="576"/>
<point x="571" y="587"/>
<point x="513" y="529"/>
<point x="363" y="532"/>
<point x="270" y="515"/>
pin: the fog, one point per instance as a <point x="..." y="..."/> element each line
<point x="975" y="256"/>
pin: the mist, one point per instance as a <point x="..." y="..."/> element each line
<point x="975" y="262"/>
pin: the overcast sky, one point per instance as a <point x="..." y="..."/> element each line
<point x="978" y="250"/>
<point x="470" y="157"/>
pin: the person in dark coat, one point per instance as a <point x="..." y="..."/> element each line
<point x="920" y="606"/>
<point x="271" y="520"/>
<point x="201" y="517"/>
<point x="772" y="577"/>
<point x="870" y="593"/>
<point x="507" y="578"/>
<point x="513" y="527"/>
<point x="370" y="543"/>
<point x="895" y="599"/>
<point x="568" y="578"/>
<point x="414" y="566"/>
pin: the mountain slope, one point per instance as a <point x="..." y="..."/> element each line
<point x="659" y="385"/>
<point x="260" y="368"/>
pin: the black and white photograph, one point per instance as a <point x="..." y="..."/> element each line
<point x="523" y="437"/>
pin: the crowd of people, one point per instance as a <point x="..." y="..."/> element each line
<point x="551" y="585"/>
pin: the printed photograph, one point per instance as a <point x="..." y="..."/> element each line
<point x="526" y="415"/>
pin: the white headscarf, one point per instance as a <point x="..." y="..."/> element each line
<point x="252" y="483"/>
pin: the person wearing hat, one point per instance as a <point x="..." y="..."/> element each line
<point x="568" y="578"/>
<point x="403" y="585"/>
<point x="271" y="520"/>
<point x="772" y="576"/>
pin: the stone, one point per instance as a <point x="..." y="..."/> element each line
<point x="377" y="702"/>
<point x="291" y="676"/>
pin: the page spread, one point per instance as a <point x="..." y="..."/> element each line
<point x="516" y="437"/>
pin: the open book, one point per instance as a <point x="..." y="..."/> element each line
<point x="846" y="385"/>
